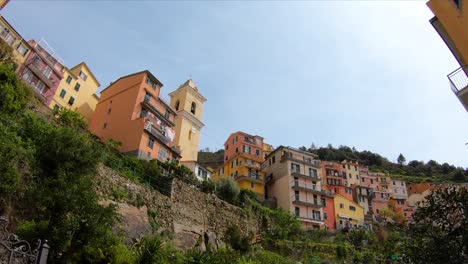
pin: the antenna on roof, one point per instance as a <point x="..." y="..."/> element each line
<point x="50" y="50"/>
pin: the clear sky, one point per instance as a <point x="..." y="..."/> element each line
<point x="368" y="74"/>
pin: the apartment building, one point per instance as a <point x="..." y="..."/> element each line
<point x="328" y="210"/>
<point x="348" y="214"/>
<point x="188" y="102"/>
<point x="335" y="178"/>
<point x="131" y="111"/>
<point x="12" y="38"/>
<point x="243" y="159"/>
<point x="450" y="22"/>
<point x="294" y="181"/>
<point x="351" y="170"/>
<point x="77" y="91"/>
<point x="417" y="193"/>
<point x="381" y="193"/>
<point x="363" y="196"/>
<point x="42" y="70"/>
<point x="399" y="196"/>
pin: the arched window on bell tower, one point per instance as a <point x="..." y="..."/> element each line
<point x="193" y="108"/>
<point x="177" y="104"/>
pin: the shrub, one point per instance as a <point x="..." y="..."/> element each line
<point x="227" y="190"/>
<point x="234" y="238"/>
<point x="207" y="186"/>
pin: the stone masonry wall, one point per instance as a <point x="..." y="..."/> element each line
<point x="197" y="219"/>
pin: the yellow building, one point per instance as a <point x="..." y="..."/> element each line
<point x="452" y="25"/>
<point x="348" y="214"/>
<point x="77" y="91"/>
<point x="351" y="169"/>
<point x="246" y="170"/>
<point x="188" y="102"/>
<point x="10" y="36"/>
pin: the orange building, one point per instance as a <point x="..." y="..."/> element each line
<point x="243" y="156"/>
<point x="452" y="25"/>
<point x="328" y="210"/>
<point x="131" y="112"/>
<point x="335" y="177"/>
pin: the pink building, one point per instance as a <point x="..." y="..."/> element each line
<point x="42" y="70"/>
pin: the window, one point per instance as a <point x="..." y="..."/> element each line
<point x="83" y="76"/>
<point x="355" y="168"/>
<point x="394" y="183"/>
<point x="143" y="113"/>
<point x="234" y="163"/>
<point x="341" y="205"/>
<point x="404" y="214"/>
<point x="237" y="150"/>
<point x="177" y="104"/>
<point x="350" y="176"/>
<point x="257" y="152"/>
<point x="71" y="101"/>
<point x="56" y="107"/>
<point x="190" y="135"/>
<point x="27" y="76"/>
<point x="297" y="211"/>
<point x="193" y="108"/>
<point x="341" y="222"/>
<point x="22" y="49"/>
<point x="77" y="87"/>
<point x="226" y="157"/>
<point x="246" y="149"/>
<point x="324" y="202"/>
<point x="47" y="71"/>
<point x="273" y="159"/>
<point x="9" y="39"/>
<point x="227" y="146"/>
<point x="457" y="3"/>
<point x="221" y="171"/>
<point x="150" y="142"/>
<point x="109" y="111"/>
<point x="325" y="216"/>
<point x="352" y="208"/>
<point x="40" y="86"/>
<point x="163" y="154"/>
<point x="295" y="168"/>
<point x="344" y="166"/>
<point x="104" y="126"/>
<point x="63" y="93"/>
<point x="312" y="172"/>
<point x="167" y="114"/>
<point x="349" y="167"/>
<point x="296" y="195"/>
<point x="252" y="185"/>
<point x="371" y="181"/>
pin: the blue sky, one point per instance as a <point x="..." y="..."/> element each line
<point x="368" y="74"/>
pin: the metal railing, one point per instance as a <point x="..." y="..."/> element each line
<point x="459" y="79"/>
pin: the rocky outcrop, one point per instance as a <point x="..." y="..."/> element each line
<point x="197" y="219"/>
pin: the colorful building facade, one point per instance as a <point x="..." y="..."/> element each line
<point x="188" y="102"/>
<point x="335" y="176"/>
<point x="351" y="170"/>
<point x="294" y="181"/>
<point x="12" y="38"/>
<point x="42" y="71"/>
<point x="131" y="112"/>
<point x="243" y="158"/>
<point x="348" y="214"/>
<point x="450" y="22"/>
<point x="77" y="91"/>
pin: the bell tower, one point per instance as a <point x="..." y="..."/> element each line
<point x="188" y="103"/>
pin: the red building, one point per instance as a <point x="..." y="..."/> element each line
<point x="42" y="70"/>
<point x="328" y="210"/>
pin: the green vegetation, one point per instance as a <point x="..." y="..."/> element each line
<point x="413" y="171"/>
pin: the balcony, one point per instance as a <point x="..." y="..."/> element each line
<point x="304" y="176"/>
<point x="305" y="187"/>
<point x="33" y="65"/>
<point x="311" y="162"/>
<point x="151" y="104"/>
<point x="157" y="133"/>
<point x="298" y="201"/>
<point x="459" y="82"/>
<point x="310" y="219"/>
<point x="253" y="178"/>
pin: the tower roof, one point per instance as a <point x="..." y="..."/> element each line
<point x="190" y="86"/>
<point x="190" y="83"/>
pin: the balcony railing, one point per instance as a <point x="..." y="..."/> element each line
<point x="296" y="185"/>
<point x="298" y="201"/>
<point x="312" y="162"/>
<point x="305" y="176"/>
<point x="459" y="79"/>
<point x="253" y="178"/>
<point x="157" y="133"/>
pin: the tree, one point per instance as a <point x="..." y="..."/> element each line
<point x="439" y="233"/>
<point x="6" y="55"/>
<point x="227" y="190"/>
<point x="401" y="159"/>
